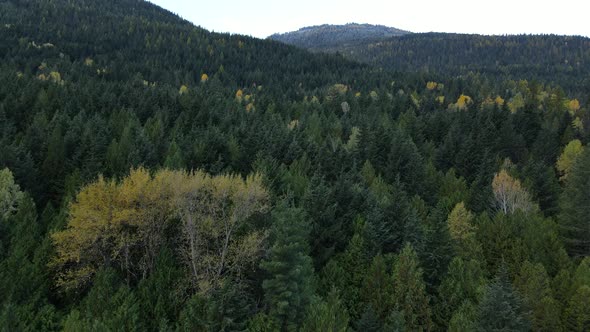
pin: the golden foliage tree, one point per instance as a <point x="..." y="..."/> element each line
<point x="509" y="195"/>
<point x="212" y="210"/>
<point x="124" y="224"/>
<point x="460" y="227"/>
<point x="462" y="231"/>
<point x="567" y="159"/>
<point x="573" y="106"/>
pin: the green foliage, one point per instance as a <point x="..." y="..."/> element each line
<point x="516" y="56"/>
<point x="577" y="315"/>
<point x="289" y="287"/>
<point x="501" y="307"/>
<point x="326" y="315"/>
<point x="575" y="207"/>
<point x="409" y="291"/>
<point x="10" y="193"/>
<point x="385" y="170"/>
<point x="458" y="291"/>
<point x="109" y="305"/>
<point x="533" y="284"/>
<point x="464" y="318"/>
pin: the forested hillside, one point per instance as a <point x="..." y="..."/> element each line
<point x="327" y="36"/>
<point x="155" y="176"/>
<point x="562" y="60"/>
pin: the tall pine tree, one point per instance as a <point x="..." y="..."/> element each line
<point x="288" y="290"/>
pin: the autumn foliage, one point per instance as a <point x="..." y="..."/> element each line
<point x="125" y="224"/>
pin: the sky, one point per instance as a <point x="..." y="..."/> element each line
<point x="261" y="18"/>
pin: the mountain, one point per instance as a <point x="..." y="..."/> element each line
<point x="562" y="60"/>
<point x="323" y="37"/>
<point x="135" y="39"/>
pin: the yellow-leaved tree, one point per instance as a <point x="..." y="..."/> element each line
<point x="125" y="224"/>
<point x="509" y="195"/>
<point x="462" y="231"/>
<point x="567" y="158"/>
<point x="212" y="210"/>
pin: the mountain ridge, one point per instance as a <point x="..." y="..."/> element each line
<point x="327" y="35"/>
<point x="547" y="58"/>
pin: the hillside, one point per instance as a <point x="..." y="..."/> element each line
<point x="563" y="60"/>
<point x="132" y="39"/>
<point x="155" y="176"/>
<point x="327" y="36"/>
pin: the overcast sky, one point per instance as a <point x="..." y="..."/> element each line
<point x="261" y="18"/>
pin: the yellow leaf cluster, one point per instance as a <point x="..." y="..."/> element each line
<point x="516" y="103"/>
<point x="463" y="101"/>
<point x="125" y="224"/>
<point x="239" y="94"/>
<point x="183" y="89"/>
<point x="336" y="91"/>
<point x="460" y="223"/>
<point x="293" y="124"/>
<point x="204" y="78"/>
<point x="431" y="85"/>
<point x="250" y="107"/>
<point x="567" y="159"/>
<point x="509" y="194"/>
<point x="573" y="106"/>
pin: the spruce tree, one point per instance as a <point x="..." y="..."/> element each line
<point x="409" y="291"/>
<point x="574" y="220"/>
<point x="288" y="289"/>
<point x="502" y="308"/>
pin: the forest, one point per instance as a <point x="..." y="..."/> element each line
<point x="560" y="60"/>
<point x="155" y="176"/>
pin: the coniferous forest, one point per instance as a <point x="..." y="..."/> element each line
<point x="155" y="176"/>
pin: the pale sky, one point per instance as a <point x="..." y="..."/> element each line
<point x="261" y="18"/>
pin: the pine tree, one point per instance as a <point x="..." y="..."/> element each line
<point x="409" y="291"/>
<point x="10" y="194"/>
<point x="574" y="220"/>
<point x="377" y="289"/>
<point x="501" y="308"/>
<point x="326" y="315"/>
<point x="53" y="167"/>
<point x="288" y="289"/>
<point x="534" y="285"/>
<point x="462" y="283"/>
<point x="174" y="157"/>
<point x="577" y="315"/>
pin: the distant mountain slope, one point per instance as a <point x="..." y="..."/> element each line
<point x="564" y="60"/>
<point x="326" y="36"/>
<point x="132" y="39"/>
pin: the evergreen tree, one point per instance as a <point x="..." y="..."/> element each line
<point x="409" y="291"/>
<point x="577" y="315"/>
<point x="501" y="308"/>
<point x="326" y="315"/>
<point x="574" y="219"/>
<point x="462" y="284"/>
<point x="534" y="285"/>
<point x="288" y="289"/>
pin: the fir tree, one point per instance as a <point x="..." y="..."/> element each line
<point x="502" y="308"/>
<point x="288" y="289"/>
<point x="574" y="219"/>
